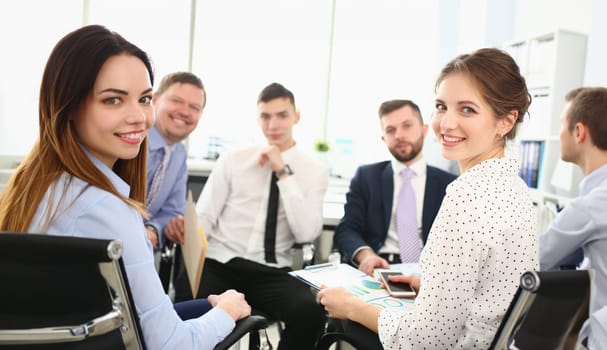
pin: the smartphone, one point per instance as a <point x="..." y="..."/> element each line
<point x="395" y="289"/>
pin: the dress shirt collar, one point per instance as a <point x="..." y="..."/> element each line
<point x="122" y="187"/>
<point x="155" y="139"/>
<point x="592" y="180"/>
<point x="419" y="167"/>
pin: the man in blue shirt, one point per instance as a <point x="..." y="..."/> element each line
<point x="178" y="104"/>
<point x="583" y="222"/>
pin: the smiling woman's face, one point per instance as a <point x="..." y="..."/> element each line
<point x="117" y="115"/>
<point x="465" y="124"/>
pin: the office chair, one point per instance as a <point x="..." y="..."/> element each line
<point x="72" y="293"/>
<point x="358" y="336"/>
<point x="541" y="315"/>
<point x="544" y="310"/>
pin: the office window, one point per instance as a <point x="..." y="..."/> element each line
<point x="28" y="34"/>
<point x="161" y="28"/>
<point x="381" y="50"/>
<point x="240" y="47"/>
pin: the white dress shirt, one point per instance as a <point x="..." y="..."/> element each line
<point x="483" y="238"/>
<point x="87" y="211"/>
<point x="597" y="330"/>
<point x="233" y="204"/>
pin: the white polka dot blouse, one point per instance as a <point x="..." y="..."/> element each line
<point x="483" y="238"/>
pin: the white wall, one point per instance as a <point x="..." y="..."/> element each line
<point x="596" y="74"/>
<point x="538" y="17"/>
<point x="27" y="36"/>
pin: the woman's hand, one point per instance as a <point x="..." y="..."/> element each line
<point x="231" y="302"/>
<point x="413" y="280"/>
<point x="342" y="304"/>
<point x="338" y="301"/>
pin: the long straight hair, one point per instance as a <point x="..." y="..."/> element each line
<point x="68" y="79"/>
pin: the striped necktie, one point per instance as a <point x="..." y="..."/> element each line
<point x="406" y="220"/>
<point x="159" y="175"/>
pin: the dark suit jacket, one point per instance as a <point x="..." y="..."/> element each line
<point x="369" y="204"/>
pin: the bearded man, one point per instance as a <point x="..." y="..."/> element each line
<point x="368" y="234"/>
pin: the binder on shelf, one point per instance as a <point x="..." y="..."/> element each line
<point x="534" y="163"/>
<point x="540" y="163"/>
<point x="524" y="156"/>
<point x="531" y="162"/>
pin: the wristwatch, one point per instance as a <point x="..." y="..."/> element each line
<point x="153" y="228"/>
<point x="285" y="170"/>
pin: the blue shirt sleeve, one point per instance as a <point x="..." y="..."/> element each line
<point x="571" y="228"/>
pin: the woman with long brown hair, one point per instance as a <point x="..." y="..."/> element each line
<point x="86" y="176"/>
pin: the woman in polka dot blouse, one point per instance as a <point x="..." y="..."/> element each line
<point x="484" y="236"/>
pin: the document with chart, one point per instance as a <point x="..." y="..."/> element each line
<point x="366" y="287"/>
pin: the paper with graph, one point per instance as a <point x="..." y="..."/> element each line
<point x="366" y="287"/>
<point x="194" y="248"/>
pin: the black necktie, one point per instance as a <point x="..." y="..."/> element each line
<point x="270" y="237"/>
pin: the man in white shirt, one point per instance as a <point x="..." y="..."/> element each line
<point x="233" y="210"/>
<point x="583" y="222"/>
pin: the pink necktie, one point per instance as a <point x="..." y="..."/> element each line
<point x="159" y="175"/>
<point x="406" y="220"/>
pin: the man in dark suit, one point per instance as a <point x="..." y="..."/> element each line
<point x="367" y="234"/>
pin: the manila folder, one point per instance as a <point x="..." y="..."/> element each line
<point x="194" y="247"/>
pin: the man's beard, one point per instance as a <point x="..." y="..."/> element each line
<point x="416" y="148"/>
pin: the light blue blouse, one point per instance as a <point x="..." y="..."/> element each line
<point x="79" y="209"/>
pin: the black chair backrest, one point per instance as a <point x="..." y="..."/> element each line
<point x="196" y="184"/>
<point x="544" y="309"/>
<point x="50" y="281"/>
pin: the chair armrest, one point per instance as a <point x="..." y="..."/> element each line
<point x="330" y="338"/>
<point x="308" y="252"/>
<point x="249" y="324"/>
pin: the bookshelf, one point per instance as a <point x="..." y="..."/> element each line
<point x="552" y="63"/>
